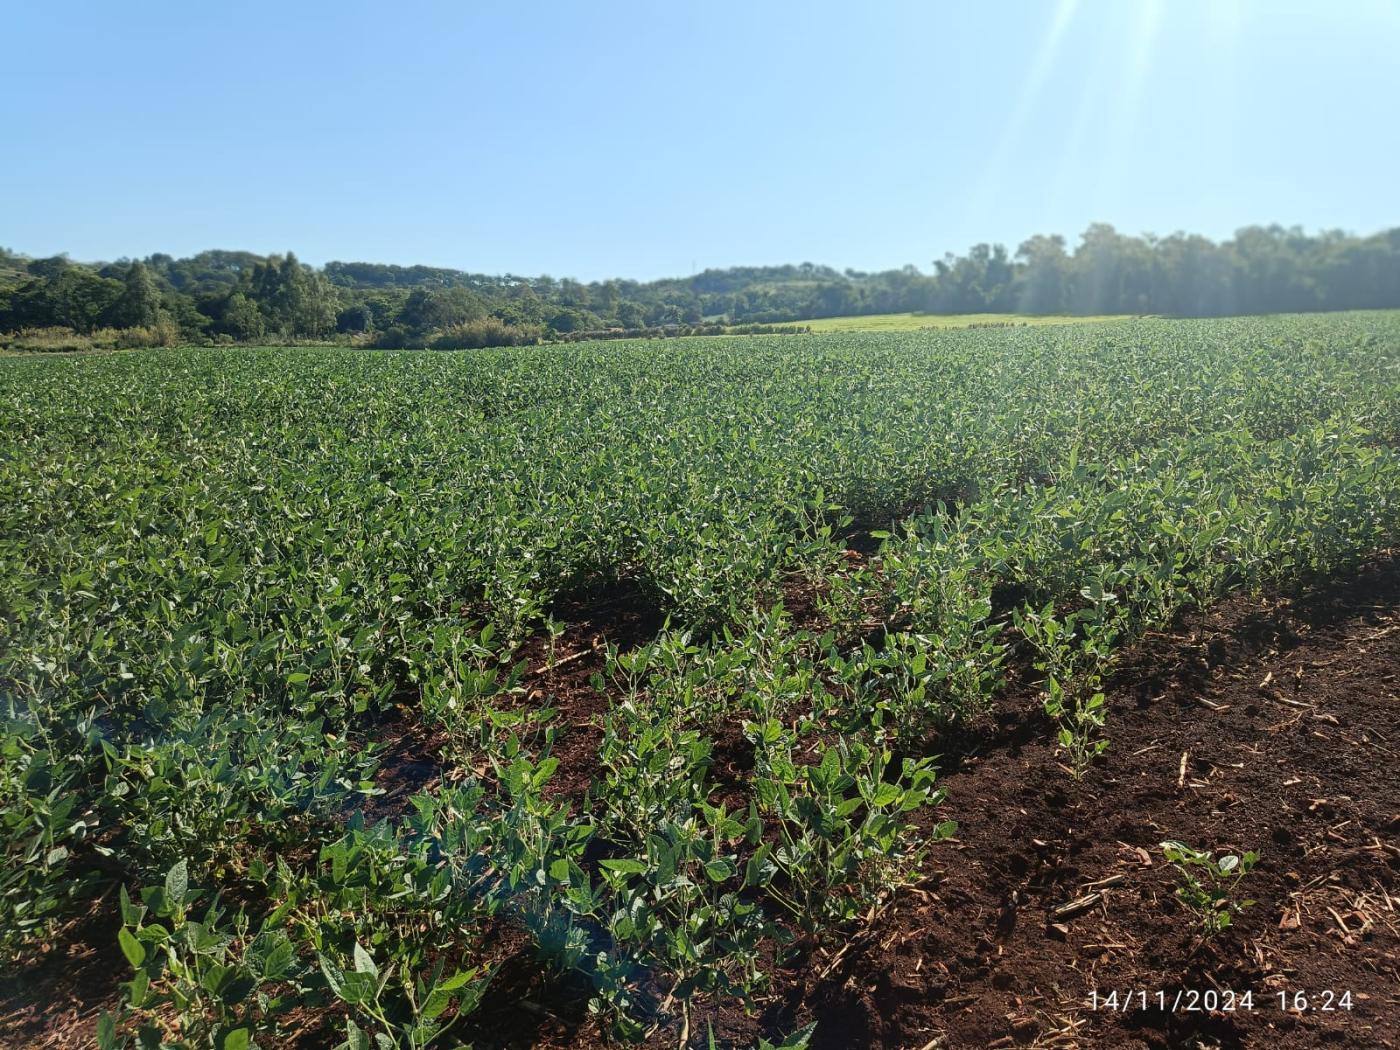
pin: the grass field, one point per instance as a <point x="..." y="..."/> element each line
<point x="914" y="322"/>
<point x="635" y="691"/>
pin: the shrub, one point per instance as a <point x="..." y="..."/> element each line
<point x="47" y="340"/>
<point x="486" y="331"/>
<point x="162" y="333"/>
<point x="394" y="338"/>
<point x="65" y="340"/>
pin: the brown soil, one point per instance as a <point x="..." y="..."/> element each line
<point x="410" y="764"/>
<point x="618" y="614"/>
<point x="53" y="997"/>
<point x="1258" y="725"/>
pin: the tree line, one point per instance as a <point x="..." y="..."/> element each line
<point x="231" y="296"/>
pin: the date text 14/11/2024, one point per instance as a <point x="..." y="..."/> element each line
<point x="1213" y="1000"/>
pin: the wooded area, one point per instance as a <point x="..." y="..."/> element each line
<point x="235" y="296"/>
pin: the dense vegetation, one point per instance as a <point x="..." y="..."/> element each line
<point x="223" y="573"/>
<point x="241" y="297"/>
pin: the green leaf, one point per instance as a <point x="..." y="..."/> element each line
<point x="457" y="980"/>
<point x="238" y="1039"/>
<point x="358" y="988"/>
<point x="719" y="869"/>
<point x="277" y="962"/>
<point x="214" y="977"/>
<point x="131" y="914"/>
<point x="624" y="867"/>
<point x="797" y="1041"/>
<point x="355" y="1037"/>
<point x="106" y="1031"/>
<point x="335" y="977"/>
<point x="364" y="962"/>
<point x="156" y="900"/>
<point x="134" y="951"/>
<point x="885" y="795"/>
<point x="136" y="990"/>
<point x="758" y="871"/>
<point x="177" y="884"/>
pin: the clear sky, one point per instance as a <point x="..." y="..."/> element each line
<point x="649" y="139"/>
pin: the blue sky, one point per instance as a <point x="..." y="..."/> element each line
<point x="649" y="139"/>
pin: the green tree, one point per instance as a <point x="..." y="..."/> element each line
<point x="139" y="303"/>
<point x="241" y="318"/>
<point x="317" y="303"/>
<point x="80" y="299"/>
<point x="1043" y="280"/>
<point x="428" y="309"/>
<point x="357" y="317"/>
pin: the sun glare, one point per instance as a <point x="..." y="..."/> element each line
<point x="1013" y="131"/>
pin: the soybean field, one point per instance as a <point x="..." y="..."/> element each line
<point x="845" y="689"/>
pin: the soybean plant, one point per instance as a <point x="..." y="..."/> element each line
<point x="1206" y="884"/>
